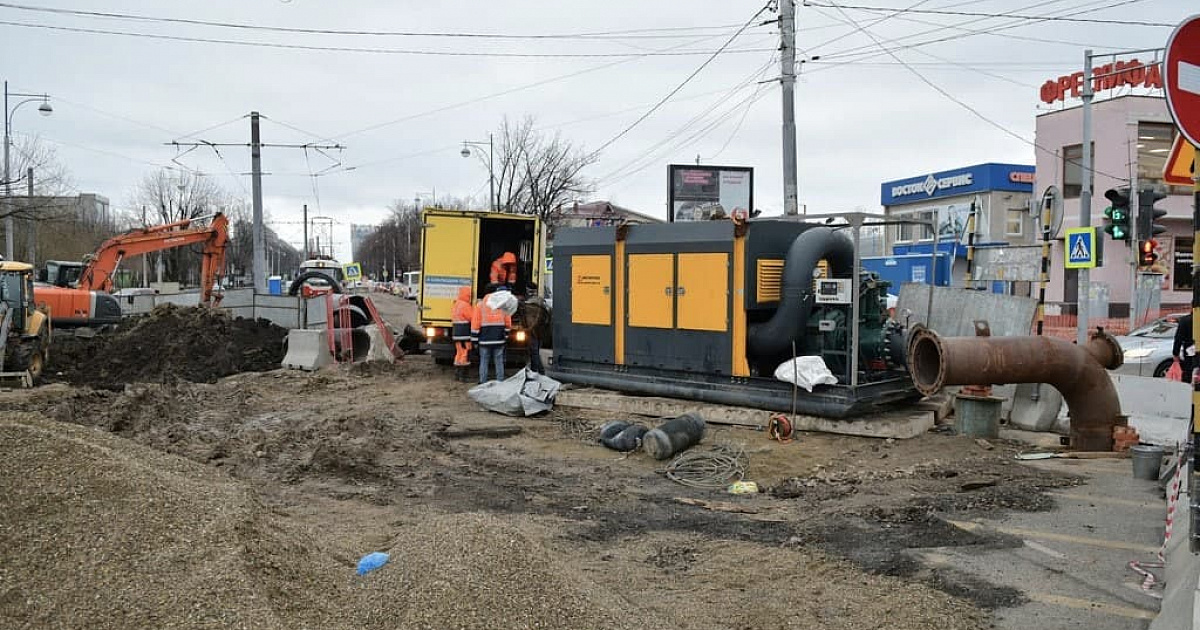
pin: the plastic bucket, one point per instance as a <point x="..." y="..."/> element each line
<point x="1147" y="461"/>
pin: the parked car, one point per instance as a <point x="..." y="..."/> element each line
<point x="1148" y="349"/>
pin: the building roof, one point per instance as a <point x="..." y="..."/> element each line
<point x="605" y="209"/>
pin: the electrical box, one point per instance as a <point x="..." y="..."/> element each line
<point x="833" y="291"/>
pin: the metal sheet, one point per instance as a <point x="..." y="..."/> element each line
<point x="703" y="292"/>
<point x="591" y="290"/>
<point x="651" y="290"/>
<point x="954" y="310"/>
<point x="1012" y="263"/>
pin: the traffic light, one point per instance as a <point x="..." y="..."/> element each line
<point x="1146" y="254"/>
<point x="1117" y="215"/>
<point x="1148" y="214"/>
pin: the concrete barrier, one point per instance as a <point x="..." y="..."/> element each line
<point x="307" y="350"/>
<point x="379" y="350"/>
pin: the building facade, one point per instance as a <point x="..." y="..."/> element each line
<point x="1131" y="138"/>
<point x="1001" y="194"/>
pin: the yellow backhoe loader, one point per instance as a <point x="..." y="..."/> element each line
<point x="24" y="327"/>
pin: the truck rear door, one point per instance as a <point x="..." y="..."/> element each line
<point x="449" y="249"/>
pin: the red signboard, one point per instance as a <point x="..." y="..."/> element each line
<point x="1109" y="76"/>
<point x="1181" y="78"/>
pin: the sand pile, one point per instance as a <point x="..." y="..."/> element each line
<point x="171" y="344"/>
<point x="102" y="533"/>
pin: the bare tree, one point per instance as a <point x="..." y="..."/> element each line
<point x="51" y="178"/>
<point x="538" y="173"/>
<point x="395" y="244"/>
<point x="170" y="196"/>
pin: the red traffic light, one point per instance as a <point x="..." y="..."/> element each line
<point x="1147" y="255"/>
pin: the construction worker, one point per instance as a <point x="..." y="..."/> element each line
<point x="489" y="330"/>
<point x="504" y="269"/>
<point x="461" y="315"/>
<point x="535" y="318"/>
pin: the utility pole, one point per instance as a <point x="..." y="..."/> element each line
<point x="1135" y="305"/>
<point x="31" y="235"/>
<point x="1085" y="199"/>
<point x="258" y="261"/>
<point x="305" y="233"/>
<point x="787" y="61"/>
<point x="145" y="257"/>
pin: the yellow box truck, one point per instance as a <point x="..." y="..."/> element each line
<point x="457" y="249"/>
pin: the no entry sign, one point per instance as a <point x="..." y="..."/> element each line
<point x="1181" y="78"/>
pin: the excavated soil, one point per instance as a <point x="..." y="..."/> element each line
<point x="246" y="502"/>
<point x="171" y="344"/>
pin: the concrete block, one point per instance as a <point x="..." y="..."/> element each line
<point x="307" y="350"/>
<point x="379" y="350"/>
<point x="1159" y="409"/>
<point x="900" y="424"/>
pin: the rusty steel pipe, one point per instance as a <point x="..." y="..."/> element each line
<point x="1078" y="373"/>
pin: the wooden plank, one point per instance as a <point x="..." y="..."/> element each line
<point x="500" y="431"/>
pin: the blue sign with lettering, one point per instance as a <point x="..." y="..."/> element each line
<point x="962" y="181"/>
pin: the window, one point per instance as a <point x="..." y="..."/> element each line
<point x="1015" y="225"/>
<point x="1181" y="278"/>
<point x="1073" y="170"/>
<point x="1153" y="147"/>
<point x="910" y="232"/>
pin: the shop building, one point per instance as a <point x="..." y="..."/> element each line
<point x="1001" y="194"/>
<point x="1131" y="139"/>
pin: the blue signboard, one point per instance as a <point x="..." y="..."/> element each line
<point x="1081" y="248"/>
<point x="961" y="181"/>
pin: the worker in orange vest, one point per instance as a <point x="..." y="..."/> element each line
<point x="504" y="269"/>
<point x="461" y="315"/>
<point x="489" y="329"/>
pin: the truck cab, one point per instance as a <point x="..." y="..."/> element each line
<point x="457" y="249"/>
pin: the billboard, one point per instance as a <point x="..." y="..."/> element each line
<point x="700" y="193"/>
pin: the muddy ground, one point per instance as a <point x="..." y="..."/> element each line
<point x="357" y="459"/>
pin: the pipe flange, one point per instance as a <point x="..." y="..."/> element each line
<point x="1116" y="356"/>
<point x="926" y="364"/>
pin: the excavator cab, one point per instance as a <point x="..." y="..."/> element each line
<point x="61" y="273"/>
<point x="24" y="328"/>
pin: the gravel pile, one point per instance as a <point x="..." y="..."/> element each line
<point x="99" y="532"/>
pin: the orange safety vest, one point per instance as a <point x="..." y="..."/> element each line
<point x="489" y="326"/>
<point x="461" y="315"/>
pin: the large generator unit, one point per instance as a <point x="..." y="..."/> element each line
<point x="708" y="310"/>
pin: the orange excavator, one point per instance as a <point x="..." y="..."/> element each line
<point x="83" y="298"/>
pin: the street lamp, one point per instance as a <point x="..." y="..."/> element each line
<point x="44" y="109"/>
<point x="466" y="152"/>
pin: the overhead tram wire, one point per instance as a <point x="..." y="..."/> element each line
<point x="687" y="80"/>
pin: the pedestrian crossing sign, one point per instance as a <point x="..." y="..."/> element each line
<point x="1081" y="248"/>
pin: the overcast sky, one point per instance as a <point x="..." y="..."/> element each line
<point x="862" y="117"/>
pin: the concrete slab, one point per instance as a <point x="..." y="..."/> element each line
<point x="902" y="424"/>
<point x="1072" y="563"/>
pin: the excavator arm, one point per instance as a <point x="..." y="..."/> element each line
<point x="99" y="271"/>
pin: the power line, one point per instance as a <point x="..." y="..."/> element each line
<point x="990" y="15"/>
<point x="858" y="51"/>
<point x="685" y="81"/>
<point x="957" y="101"/>
<point x="494" y="95"/>
<point x="664" y="32"/>
<point x="378" y="51"/>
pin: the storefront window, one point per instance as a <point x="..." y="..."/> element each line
<point x="1153" y="148"/>
<point x="1072" y="157"/>
<point x="1015" y="225"/>
<point x="1181" y="277"/>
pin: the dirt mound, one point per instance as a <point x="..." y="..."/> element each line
<point x="101" y="532"/>
<point x="170" y="344"/>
